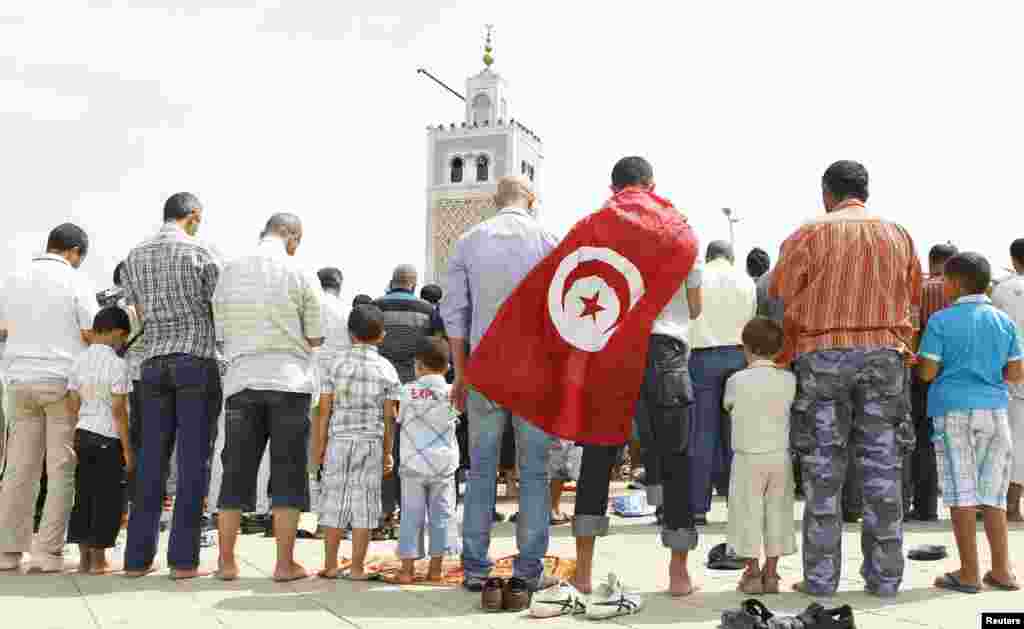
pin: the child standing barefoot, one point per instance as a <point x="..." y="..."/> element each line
<point x="761" y="487"/>
<point x="430" y="456"/>
<point x="357" y="414"/>
<point x="98" y="394"/>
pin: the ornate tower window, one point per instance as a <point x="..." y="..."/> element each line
<point x="456" y="176"/>
<point x="482" y="164"/>
<point x="481" y="109"/>
<point x="523" y="168"/>
<point x="530" y="171"/>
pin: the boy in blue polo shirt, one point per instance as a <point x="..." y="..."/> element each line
<point x="972" y="350"/>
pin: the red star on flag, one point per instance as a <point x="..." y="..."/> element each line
<point x="591" y="306"/>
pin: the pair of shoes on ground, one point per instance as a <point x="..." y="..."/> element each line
<point x="754" y="615"/>
<point x="508" y="595"/>
<point x="609" y="600"/>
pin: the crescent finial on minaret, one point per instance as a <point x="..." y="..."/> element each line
<point x="488" y="48"/>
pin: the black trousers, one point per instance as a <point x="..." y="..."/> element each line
<point x="663" y="422"/>
<point x="925" y="477"/>
<point x="100" y="491"/>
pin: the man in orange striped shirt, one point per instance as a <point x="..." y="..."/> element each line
<point x="924" y="478"/>
<point x="849" y="282"/>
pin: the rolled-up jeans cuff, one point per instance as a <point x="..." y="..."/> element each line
<point x="679" y="540"/>
<point x="590" y="525"/>
<point x="655" y="495"/>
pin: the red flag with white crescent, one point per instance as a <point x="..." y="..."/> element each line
<point x="568" y="348"/>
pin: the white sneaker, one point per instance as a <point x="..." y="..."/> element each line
<point x="560" y="599"/>
<point x="610" y="599"/>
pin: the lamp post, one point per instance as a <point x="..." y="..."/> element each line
<point x="733" y="219"/>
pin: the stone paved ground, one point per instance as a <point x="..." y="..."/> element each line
<point x="254" y="602"/>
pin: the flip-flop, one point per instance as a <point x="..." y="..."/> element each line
<point x="990" y="581"/>
<point x="564" y="519"/>
<point x="371" y="576"/>
<point x="950" y="581"/>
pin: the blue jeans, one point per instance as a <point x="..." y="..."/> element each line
<point x="181" y="398"/>
<point x="424" y="500"/>
<point x="709" y="455"/>
<point x="533" y="449"/>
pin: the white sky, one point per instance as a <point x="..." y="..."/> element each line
<point x="314" y="106"/>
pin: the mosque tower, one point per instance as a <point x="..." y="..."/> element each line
<point x="465" y="161"/>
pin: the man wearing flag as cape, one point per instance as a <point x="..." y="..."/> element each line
<point x="596" y="334"/>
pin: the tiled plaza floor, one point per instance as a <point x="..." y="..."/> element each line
<point x="70" y="601"/>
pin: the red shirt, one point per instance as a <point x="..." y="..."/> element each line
<point x="848" y="280"/>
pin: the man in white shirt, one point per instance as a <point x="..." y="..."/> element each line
<point x="730" y="301"/>
<point x="46" y="313"/>
<point x="267" y="313"/>
<point x="1009" y="297"/>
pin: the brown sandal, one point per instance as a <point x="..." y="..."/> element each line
<point x="770" y="585"/>
<point x="750" y="584"/>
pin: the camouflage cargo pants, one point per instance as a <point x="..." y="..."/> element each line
<point x="852" y="398"/>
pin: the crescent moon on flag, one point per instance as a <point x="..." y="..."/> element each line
<point x="590" y="294"/>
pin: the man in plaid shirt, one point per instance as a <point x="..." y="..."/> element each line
<point x="170" y="280"/>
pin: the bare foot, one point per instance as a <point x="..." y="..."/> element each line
<point x="406" y="579"/>
<point x="226" y="570"/>
<point x="102" y="569"/>
<point x="680" y="585"/>
<point x="582" y="587"/>
<point x="328" y="573"/>
<point x="435" y="577"/>
<point x="294" y="572"/>
<point x="194" y="573"/>
<point x="84" y="566"/>
<point x="1014" y="517"/>
<point x="135" y="574"/>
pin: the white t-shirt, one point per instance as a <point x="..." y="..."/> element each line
<point x="98" y="375"/>
<point x="1008" y="296"/>
<point x="674" y="318"/>
<point x="760" y="398"/>
<point x="730" y="302"/>
<point x="45" y="307"/>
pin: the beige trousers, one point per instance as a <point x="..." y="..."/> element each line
<point x="761" y="505"/>
<point x="40" y="425"/>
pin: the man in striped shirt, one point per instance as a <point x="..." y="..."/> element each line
<point x="268" y="315"/>
<point x="924" y="482"/>
<point x="849" y="282"/>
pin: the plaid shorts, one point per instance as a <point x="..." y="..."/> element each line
<point x="974" y="453"/>
<point x="350" y="485"/>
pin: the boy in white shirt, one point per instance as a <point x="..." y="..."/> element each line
<point x="761" y="488"/>
<point x="98" y="389"/>
<point x="430" y="457"/>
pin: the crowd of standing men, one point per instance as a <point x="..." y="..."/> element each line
<point x="261" y="337"/>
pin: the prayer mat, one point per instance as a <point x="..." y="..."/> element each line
<point x="451" y="569"/>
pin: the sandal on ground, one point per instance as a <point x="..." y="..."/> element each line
<point x="952" y="582"/>
<point x="991" y="581"/>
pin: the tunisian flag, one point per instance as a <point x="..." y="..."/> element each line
<point x="568" y="348"/>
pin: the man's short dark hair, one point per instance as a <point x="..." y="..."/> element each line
<point x="180" y="205"/>
<point x="111" y="318"/>
<point x="66" y="237"/>
<point x="763" y="337"/>
<point x="758" y="262"/>
<point x="846" y="179"/>
<point x="939" y="254"/>
<point x="366" y="322"/>
<point x="1017" y="250"/>
<point x="330" y="278"/>
<point x="971" y="270"/>
<point x="362" y="300"/>
<point x="719" y="249"/>
<point x="433" y="353"/>
<point x="632" y="171"/>
<point x="431" y="293"/>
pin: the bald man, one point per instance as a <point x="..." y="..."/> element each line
<point x="485" y="266"/>
<point x="268" y="316"/>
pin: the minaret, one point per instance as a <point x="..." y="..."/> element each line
<point x="465" y="160"/>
